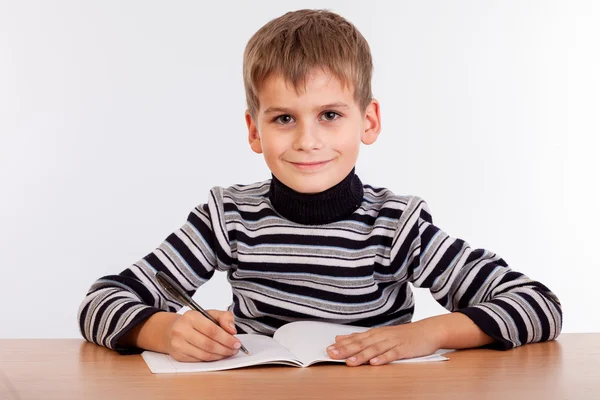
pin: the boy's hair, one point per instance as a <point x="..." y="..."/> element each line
<point x="298" y="41"/>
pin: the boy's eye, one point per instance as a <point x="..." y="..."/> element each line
<point x="330" y="115"/>
<point x="326" y="116"/>
<point x="283" y="119"/>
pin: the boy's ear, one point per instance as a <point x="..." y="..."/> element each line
<point x="253" y="136"/>
<point x="372" y="123"/>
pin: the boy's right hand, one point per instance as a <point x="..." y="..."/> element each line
<point x="193" y="337"/>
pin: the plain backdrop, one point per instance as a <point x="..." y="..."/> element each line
<point x="117" y="117"/>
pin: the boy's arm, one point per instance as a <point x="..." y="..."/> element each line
<point x="504" y="304"/>
<point x="116" y="304"/>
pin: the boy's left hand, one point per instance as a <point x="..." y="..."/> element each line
<point x="379" y="346"/>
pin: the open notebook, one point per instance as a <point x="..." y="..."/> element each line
<point x="299" y="344"/>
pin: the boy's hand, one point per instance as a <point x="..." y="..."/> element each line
<point x="193" y="337"/>
<point x="379" y="346"/>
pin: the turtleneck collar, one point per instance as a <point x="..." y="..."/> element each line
<point x="331" y="205"/>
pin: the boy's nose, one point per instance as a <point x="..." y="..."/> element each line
<point x="307" y="138"/>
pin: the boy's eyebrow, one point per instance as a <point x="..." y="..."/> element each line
<point x="288" y="110"/>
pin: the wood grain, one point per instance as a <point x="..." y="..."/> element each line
<point x="568" y="368"/>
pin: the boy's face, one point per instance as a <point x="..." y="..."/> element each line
<point x="310" y="141"/>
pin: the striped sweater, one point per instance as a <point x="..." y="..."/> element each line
<point x="357" y="269"/>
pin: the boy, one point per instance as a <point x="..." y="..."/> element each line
<point x="313" y="242"/>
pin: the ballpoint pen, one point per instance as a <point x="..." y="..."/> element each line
<point x="180" y="295"/>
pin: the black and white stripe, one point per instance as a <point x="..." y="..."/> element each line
<point x="355" y="271"/>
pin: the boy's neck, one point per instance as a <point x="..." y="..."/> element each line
<point x="331" y="205"/>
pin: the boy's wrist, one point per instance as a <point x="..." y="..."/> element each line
<point x="456" y="331"/>
<point x="153" y="333"/>
<point x="436" y="329"/>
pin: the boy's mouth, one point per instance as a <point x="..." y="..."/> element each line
<point x="309" y="165"/>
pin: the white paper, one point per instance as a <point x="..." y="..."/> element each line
<point x="263" y="350"/>
<point x="309" y="340"/>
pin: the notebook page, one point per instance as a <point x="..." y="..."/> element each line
<point x="263" y="350"/>
<point x="309" y="339"/>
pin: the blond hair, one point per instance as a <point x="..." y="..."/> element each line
<point x="293" y="44"/>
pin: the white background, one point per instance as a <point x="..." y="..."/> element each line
<point x="117" y="117"/>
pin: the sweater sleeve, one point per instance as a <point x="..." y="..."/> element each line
<point x="116" y="303"/>
<point x="505" y="304"/>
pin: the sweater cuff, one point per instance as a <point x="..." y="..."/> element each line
<point x="489" y="326"/>
<point x="141" y="316"/>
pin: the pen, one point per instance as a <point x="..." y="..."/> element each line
<point x="179" y="294"/>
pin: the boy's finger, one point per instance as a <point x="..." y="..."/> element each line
<point x="341" y="337"/>
<point x="371" y="352"/>
<point x="226" y="320"/>
<point x="201" y="351"/>
<point x="351" y="346"/>
<point x="210" y="346"/>
<point x="345" y="339"/>
<point x="215" y="332"/>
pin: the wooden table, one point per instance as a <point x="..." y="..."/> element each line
<point x="568" y="368"/>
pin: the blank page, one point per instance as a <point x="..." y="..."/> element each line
<point x="309" y="339"/>
<point x="263" y="350"/>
